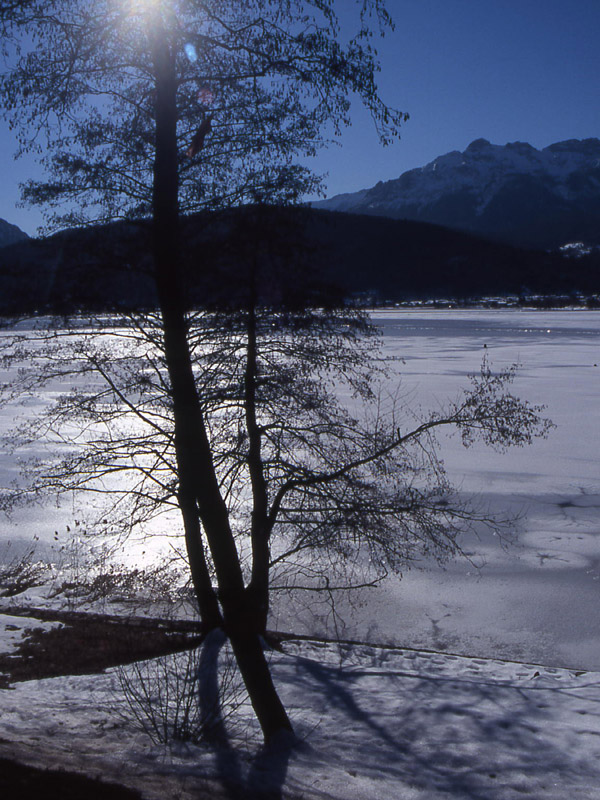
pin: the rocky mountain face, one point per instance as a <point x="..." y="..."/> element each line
<point x="10" y="234"/>
<point x="513" y="193"/>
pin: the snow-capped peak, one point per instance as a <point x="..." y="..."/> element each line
<point x="493" y="189"/>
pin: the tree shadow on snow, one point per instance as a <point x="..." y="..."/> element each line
<point x="464" y="737"/>
<point x="263" y="777"/>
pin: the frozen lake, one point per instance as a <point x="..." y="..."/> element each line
<point x="538" y="600"/>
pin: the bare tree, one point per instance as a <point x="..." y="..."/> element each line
<point x="150" y="109"/>
<point x="327" y="484"/>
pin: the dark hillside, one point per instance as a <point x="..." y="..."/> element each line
<point x="295" y="255"/>
<point x="400" y="259"/>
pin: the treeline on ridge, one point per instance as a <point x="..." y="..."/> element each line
<point x="280" y="256"/>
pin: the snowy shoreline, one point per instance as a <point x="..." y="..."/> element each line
<point x="372" y="722"/>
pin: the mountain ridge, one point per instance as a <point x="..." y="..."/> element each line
<point x="513" y="193"/>
<point x="10" y="234"/>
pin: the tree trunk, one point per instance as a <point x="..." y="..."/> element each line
<point x="206" y="597"/>
<point x="254" y="668"/>
<point x="166" y="255"/>
<point x="197" y="477"/>
<point x="258" y="590"/>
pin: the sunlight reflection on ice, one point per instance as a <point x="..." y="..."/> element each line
<point x="537" y="600"/>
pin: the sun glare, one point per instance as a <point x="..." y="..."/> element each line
<point x="142" y="6"/>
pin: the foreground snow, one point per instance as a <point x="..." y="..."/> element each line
<point x="373" y="722"/>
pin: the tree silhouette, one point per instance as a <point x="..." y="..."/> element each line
<point x="146" y="110"/>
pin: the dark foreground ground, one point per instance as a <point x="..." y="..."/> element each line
<point x="85" y="644"/>
<point x="20" y="782"/>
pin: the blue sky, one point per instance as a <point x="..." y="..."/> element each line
<point x="505" y="70"/>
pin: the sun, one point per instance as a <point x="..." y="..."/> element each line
<point x="143" y="6"/>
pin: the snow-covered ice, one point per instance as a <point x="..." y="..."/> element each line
<point x="13" y="630"/>
<point x="537" y="600"/>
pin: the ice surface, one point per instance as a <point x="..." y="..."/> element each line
<point x="535" y="601"/>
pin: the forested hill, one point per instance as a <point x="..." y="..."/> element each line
<point x="393" y="260"/>
<point x="402" y="259"/>
<point x="9" y="234"/>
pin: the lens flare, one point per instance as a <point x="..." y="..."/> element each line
<point x="191" y="53"/>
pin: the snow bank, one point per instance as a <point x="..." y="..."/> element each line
<point x="373" y="723"/>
